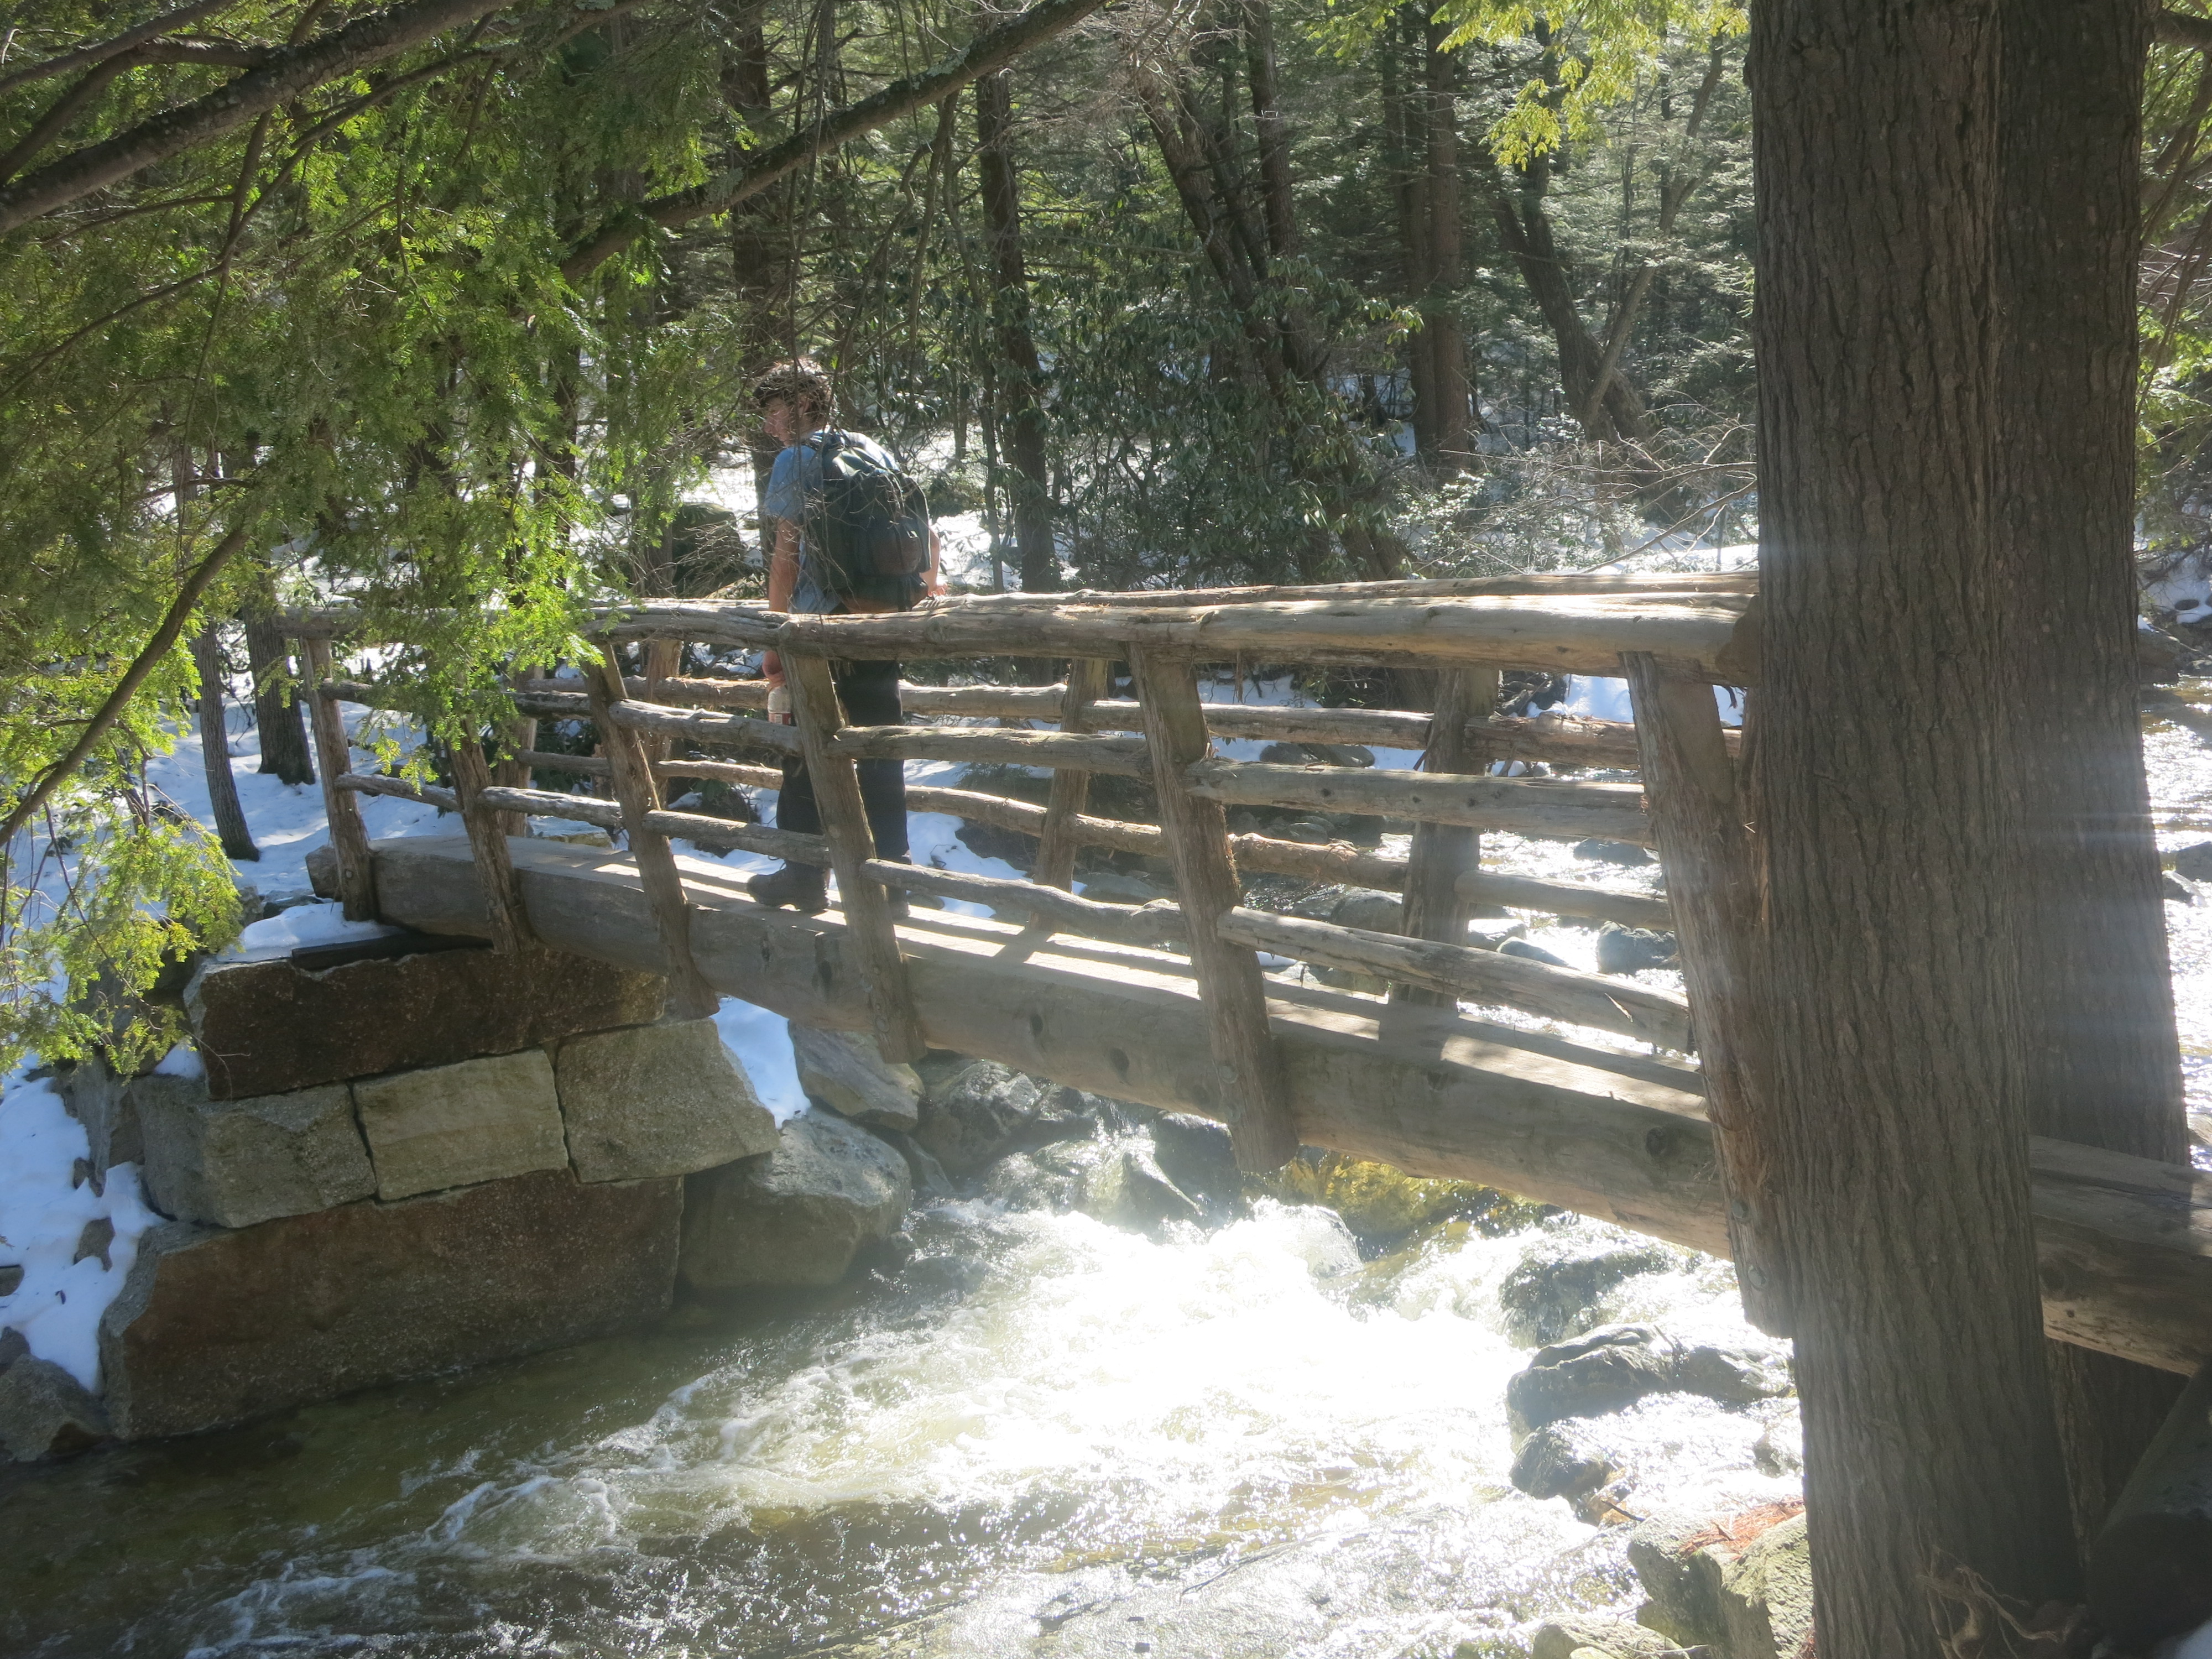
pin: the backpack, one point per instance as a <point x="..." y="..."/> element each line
<point x="868" y="530"/>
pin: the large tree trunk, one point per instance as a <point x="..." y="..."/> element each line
<point x="1440" y="370"/>
<point x="1021" y="408"/>
<point x="1888" y="811"/>
<point x="2099" y="1038"/>
<point x="1409" y="179"/>
<point x="215" y="745"/>
<point x="276" y="709"/>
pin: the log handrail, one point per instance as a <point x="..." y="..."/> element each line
<point x="1155" y="925"/>
<point x="1552" y="807"/>
<point x="1561" y="993"/>
<point x="1122" y="756"/>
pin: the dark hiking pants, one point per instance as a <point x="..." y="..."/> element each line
<point x="869" y="691"/>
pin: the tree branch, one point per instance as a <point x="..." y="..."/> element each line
<point x="105" y="49"/>
<point x="284" y="75"/>
<point x="989" y="51"/>
<point x="2181" y="28"/>
<point x="165" y="637"/>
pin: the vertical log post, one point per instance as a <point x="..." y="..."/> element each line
<point x="689" y="996"/>
<point x="510" y="926"/>
<point x="1254" y="1097"/>
<point x="1442" y="852"/>
<point x="867" y="906"/>
<point x="334" y="759"/>
<point x="1071" y="790"/>
<point x="1690" y="790"/>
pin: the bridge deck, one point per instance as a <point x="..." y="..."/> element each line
<point x="2125" y="1245"/>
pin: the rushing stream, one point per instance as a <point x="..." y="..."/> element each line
<point x="1044" y="1435"/>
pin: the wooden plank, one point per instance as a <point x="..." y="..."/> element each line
<point x="1133" y="924"/>
<point x="2124" y="1244"/>
<point x="1057" y="844"/>
<point x="1254" y="1099"/>
<point x="1563" y="993"/>
<point x="1443" y="853"/>
<point x="1554" y="807"/>
<point x="689" y="996"/>
<point x="334" y="760"/>
<point x="510" y="928"/>
<point x="1697" y="824"/>
<point x="1122" y="756"/>
<point x="1561" y="899"/>
<point x="815" y="708"/>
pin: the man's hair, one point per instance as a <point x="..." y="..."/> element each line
<point x="801" y="381"/>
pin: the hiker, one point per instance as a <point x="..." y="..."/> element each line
<point x="852" y="535"/>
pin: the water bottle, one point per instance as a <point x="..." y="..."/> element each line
<point x="778" y="704"/>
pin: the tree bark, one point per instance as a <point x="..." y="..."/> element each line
<point x="229" y="816"/>
<point x="2104" y="1068"/>
<point x="1447" y="391"/>
<point x="1021" y="407"/>
<point x="1888" y="806"/>
<point x="276" y="707"/>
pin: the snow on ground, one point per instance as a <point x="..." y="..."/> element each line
<point x="45" y="1207"/>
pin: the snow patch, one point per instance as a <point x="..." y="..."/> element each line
<point x="44" y="1210"/>
<point x="321" y="923"/>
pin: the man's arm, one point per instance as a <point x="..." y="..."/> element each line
<point x="782" y="578"/>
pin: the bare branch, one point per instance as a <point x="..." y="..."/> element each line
<point x="284" y="75"/>
<point x="165" y="637"/>
<point x="2181" y="28"/>
<point x="989" y="51"/>
<point x="106" y="49"/>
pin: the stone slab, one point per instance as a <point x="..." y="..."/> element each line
<point x="45" y="1412"/>
<point x="658" y="1100"/>
<point x="798" y="1217"/>
<point x="455" y="1125"/>
<point x="215" y="1327"/>
<point x="235" y="1163"/>
<point x="845" y="1071"/>
<point x="267" y="1028"/>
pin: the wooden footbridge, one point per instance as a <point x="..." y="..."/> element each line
<point x="1168" y="1003"/>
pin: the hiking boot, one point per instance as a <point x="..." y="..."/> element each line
<point x="801" y="886"/>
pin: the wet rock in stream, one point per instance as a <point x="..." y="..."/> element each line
<point x="797" y="1216"/>
<point x="1613" y="1367"/>
<point x="1559" y="1287"/>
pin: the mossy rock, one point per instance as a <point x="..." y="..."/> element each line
<point x="1375" y="1200"/>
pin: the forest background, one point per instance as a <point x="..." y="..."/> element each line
<point x="451" y="307"/>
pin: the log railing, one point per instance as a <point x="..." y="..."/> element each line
<point x="1691" y="633"/>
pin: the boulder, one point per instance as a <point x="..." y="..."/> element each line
<point x="845" y="1071"/>
<point x="1613" y="852"/>
<point x="657" y="1100"/>
<point x="931" y="1183"/>
<point x="1615" y="1366"/>
<point x="1585" y="1637"/>
<point x="454" y="1126"/>
<point x="1375" y="1200"/>
<point x="268" y="1028"/>
<point x="1056" y="1176"/>
<point x="1317" y="754"/>
<point x="46" y="1412"/>
<point x="1608" y="1370"/>
<point x="1376" y="912"/>
<point x="220" y="1326"/>
<point x="1630" y="950"/>
<point x="1679" y="1562"/>
<point x="323" y="871"/>
<point x="1555" y="1291"/>
<point x="1562" y="1459"/>
<point x="1767" y="1594"/>
<point x="1128" y="1189"/>
<point x="1781" y="1449"/>
<point x="1115" y="887"/>
<point x="1195" y="1154"/>
<point x="798" y="1216"/>
<point x="2178" y="892"/>
<point x="977" y="1116"/>
<point x="2195" y="862"/>
<point x="234" y="1163"/>
<point x="1527" y="952"/>
<point x="107" y="1106"/>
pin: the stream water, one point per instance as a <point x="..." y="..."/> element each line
<point x="1045" y="1437"/>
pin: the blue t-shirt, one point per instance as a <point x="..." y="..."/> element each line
<point x="795" y="481"/>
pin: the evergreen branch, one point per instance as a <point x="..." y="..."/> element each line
<point x="986" y="54"/>
<point x="165" y="638"/>
<point x="283" y="75"/>
<point x="104" y="49"/>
